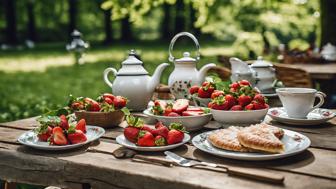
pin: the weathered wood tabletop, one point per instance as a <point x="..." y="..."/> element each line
<point x="314" y="168"/>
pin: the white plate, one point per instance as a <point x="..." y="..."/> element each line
<point x="124" y="142"/>
<point x="292" y="147"/>
<point x="316" y="117"/>
<point x="191" y="123"/>
<point x="30" y="139"/>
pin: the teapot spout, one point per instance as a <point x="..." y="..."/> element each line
<point x="155" y="79"/>
<point x="203" y="71"/>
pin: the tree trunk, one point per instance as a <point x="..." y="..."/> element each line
<point x="108" y="26"/>
<point x="179" y="17"/>
<point x="196" y="31"/>
<point x="10" y="15"/>
<point x="31" y="20"/>
<point x="126" y="32"/>
<point x="328" y="22"/>
<point x="166" y="22"/>
<point x="72" y="15"/>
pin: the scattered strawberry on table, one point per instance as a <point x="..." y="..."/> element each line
<point x="240" y="96"/>
<point x="178" y="108"/>
<point x="59" y="130"/>
<point x="106" y="102"/>
<point x="143" y="135"/>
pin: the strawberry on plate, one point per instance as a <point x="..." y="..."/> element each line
<point x="162" y="131"/>
<point x="180" y="105"/>
<point x="192" y="113"/>
<point x="131" y="132"/>
<point x="81" y="125"/>
<point x="44" y="132"/>
<point x="58" y="137"/>
<point x="76" y="136"/>
<point x="146" y="139"/>
<point x="64" y="122"/>
<point x="147" y="128"/>
<point x="168" y="109"/>
<point x="160" y="141"/>
<point x="176" y="133"/>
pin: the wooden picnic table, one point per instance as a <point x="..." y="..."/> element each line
<point x="98" y="168"/>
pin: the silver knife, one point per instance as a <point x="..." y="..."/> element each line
<point x="253" y="173"/>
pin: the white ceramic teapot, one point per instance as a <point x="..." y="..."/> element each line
<point x="260" y="73"/>
<point x="185" y="73"/>
<point x="133" y="82"/>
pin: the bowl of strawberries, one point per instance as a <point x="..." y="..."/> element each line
<point x="141" y="137"/>
<point x="106" y="111"/>
<point x="179" y="111"/>
<point x="239" y="104"/>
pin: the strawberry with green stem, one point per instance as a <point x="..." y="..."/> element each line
<point x="176" y="133"/>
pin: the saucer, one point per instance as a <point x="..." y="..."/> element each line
<point x="316" y="117"/>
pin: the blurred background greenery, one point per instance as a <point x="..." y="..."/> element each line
<point x="37" y="73"/>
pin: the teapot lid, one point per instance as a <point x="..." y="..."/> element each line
<point x="261" y="63"/>
<point x="132" y="66"/>
<point x="186" y="58"/>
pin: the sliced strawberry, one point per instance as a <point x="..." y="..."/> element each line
<point x="81" y="125"/>
<point x="76" y="137"/>
<point x="196" y="109"/>
<point x="180" y="105"/>
<point x="173" y="114"/>
<point x="192" y="113"/>
<point x="146" y="139"/>
<point x="58" y="137"/>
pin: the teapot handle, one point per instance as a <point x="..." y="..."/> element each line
<point x="106" y="72"/>
<point x="172" y="42"/>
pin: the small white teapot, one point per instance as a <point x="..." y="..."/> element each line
<point x="185" y="73"/>
<point x="133" y="82"/>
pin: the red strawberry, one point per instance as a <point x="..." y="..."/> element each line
<point x="108" y="95"/>
<point x="159" y="107"/>
<point x="146" y="139"/>
<point x="44" y="132"/>
<point x="237" y="108"/>
<point x="77" y="106"/>
<point x="244" y="83"/>
<point x="180" y="105"/>
<point x="234" y="86"/>
<point x="244" y="100"/>
<point x="162" y="131"/>
<point x="259" y="106"/>
<point x="119" y="101"/>
<point x="168" y="109"/>
<point x="174" y="136"/>
<point x="81" y="125"/>
<point x="249" y="107"/>
<point x="220" y="103"/>
<point x="108" y="101"/>
<point x="259" y="98"/>
<point x="92" y="105"/>
<point x="64" y="122"/>
<point x="192" y="113"/>
<point x="194" y="89"/>
<point x="216" y="94"/>
<point x="131" y="133"/>
<point x="159" y="141"/>
<point x="173" y="114"/>
<point x="196" y="109"/>
<point x="147" y="128"/>
<point x="58" y="137"/>
<point x="230" y="100"/>
<point x="76" y="136"/>
<point x="159" y="124"/>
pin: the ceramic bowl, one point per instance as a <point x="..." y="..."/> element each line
<point x="239" y="117"/>
<point x="191" y="123"/>
<point x="202" y="101"/>
<point x="102" y="119"/>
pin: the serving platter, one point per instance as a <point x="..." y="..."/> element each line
<point x="294" y="143"/>
<point x="126" y="143"/>
<point x="30" y="139"/>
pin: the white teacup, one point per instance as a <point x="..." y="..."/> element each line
<point x="298" y="102"/>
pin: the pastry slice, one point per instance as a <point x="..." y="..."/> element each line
<point x="278" y="132"/>
<point x="227" y="139"/>
<point x="259" y="138"/>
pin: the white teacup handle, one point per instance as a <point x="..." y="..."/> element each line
<point x="321" y="96"/>
<point x="106" y="72"/>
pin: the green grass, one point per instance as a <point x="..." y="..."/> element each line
<point x="33" y="81"/>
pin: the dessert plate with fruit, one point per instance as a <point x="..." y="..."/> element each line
<point x="141" y="137"/>
<point x="240" y="104"/>
<point x="60" y="133"/>
<point x="191" y="117"/>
